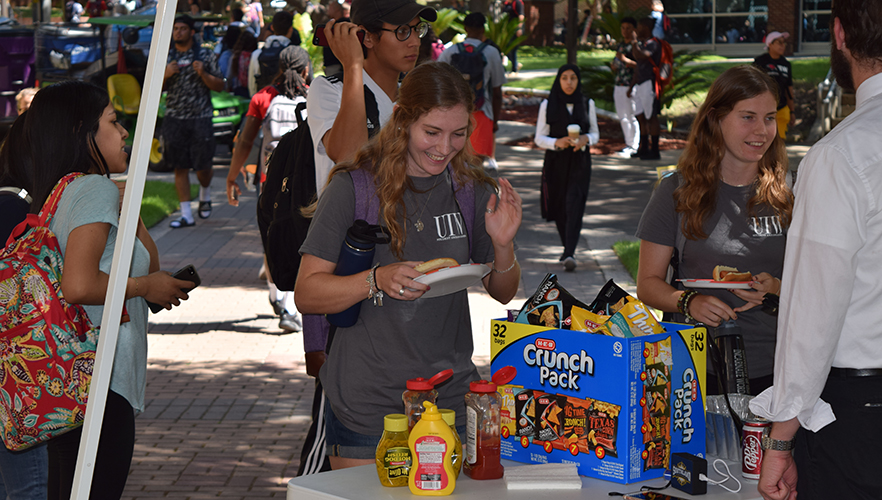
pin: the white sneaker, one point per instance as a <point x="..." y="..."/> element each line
<point x="626" y="153"/>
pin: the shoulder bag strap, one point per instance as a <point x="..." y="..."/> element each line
<point x="51" y="204"/>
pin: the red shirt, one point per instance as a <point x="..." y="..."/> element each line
<point x="260" y="103"/>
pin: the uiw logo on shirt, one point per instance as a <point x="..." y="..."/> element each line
<point x="766" y="226"/>
<point x="450" y="226"/>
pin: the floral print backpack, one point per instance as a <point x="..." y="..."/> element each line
<point x="47" y="346"/>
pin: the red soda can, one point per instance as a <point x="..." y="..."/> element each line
<point x="751" y="447"/>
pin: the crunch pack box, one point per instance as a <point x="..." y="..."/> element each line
<point x="616" y="407"/>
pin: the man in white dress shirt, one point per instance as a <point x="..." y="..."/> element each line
<point x="826" y="402"/>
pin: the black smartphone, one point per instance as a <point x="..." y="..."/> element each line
<point x="186" y="273"/>
<point x="320" y="40"/>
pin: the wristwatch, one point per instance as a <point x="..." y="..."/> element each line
<point x="775" y="444"/>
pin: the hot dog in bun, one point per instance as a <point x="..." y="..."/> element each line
<point x="431" y="265"/>
<point x="726" y="273"/>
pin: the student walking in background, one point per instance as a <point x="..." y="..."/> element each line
<point x="778" y="67"/>
<point x="626" y="107"/>
<point x="566" y="173"/>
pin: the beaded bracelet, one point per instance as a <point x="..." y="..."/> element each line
<point x="683" y="303"/>
<point x="374" y="291"/>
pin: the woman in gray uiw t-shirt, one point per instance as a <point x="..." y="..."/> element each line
<point x="729" y="204"/>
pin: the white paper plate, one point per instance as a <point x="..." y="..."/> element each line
<point x="726" y="285"/>
<point x="452" y="279"/>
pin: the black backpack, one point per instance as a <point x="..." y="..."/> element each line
<point x="289" y="186"/>
<point x="268" y="63"/>
<point x="470" y="61"/>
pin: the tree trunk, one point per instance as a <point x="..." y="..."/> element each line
<point x="572" y="25"/>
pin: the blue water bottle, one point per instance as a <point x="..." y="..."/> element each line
<point x="356" y="255"/>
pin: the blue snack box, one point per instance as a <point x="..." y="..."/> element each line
<point x="616" y="407"/>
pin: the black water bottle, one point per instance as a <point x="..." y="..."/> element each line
<point x="356" y="255"/>
<point x="731" y="346"/>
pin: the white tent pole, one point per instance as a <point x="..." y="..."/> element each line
<point x="125" y="243"/>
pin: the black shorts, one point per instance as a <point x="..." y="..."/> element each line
<point x="188" y="143"/>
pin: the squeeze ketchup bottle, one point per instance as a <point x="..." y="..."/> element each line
<point x="420" y="390"/>
<point x="482" y="427"/>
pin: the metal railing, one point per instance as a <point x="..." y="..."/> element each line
<point x="829" y="107"/>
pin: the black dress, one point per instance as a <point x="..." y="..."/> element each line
<point x="566" y="176"/>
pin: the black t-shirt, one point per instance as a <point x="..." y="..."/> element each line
<point x="644" y="69"/>
<point x="14" y="210"/>
<point x="779" y="70"/>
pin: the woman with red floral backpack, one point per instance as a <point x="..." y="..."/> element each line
<point x="71" y="128"/>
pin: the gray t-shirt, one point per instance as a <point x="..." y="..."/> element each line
<point x="95" y="198"/>
<point x="370" y="362"/>
<point x="750" y="244"/>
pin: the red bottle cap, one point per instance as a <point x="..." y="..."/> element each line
<point x="502" y="376"/>
<point x="421" y="384"/>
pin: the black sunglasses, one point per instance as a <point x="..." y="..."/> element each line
<point x="402" y="32"/>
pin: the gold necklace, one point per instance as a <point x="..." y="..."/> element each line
<point x="418" y="225"/>
<point x="736" y="185"/>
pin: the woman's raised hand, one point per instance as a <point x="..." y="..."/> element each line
<point x="503" y="218"/>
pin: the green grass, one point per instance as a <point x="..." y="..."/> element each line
<point x="629" y="254"/>
<point x="555" y="57"/>
<point x="160" y="199"/>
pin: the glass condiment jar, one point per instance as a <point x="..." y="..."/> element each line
<point x="449" y="417"/>
<point x="420" y="390"/>
<point x="482" y="459"/>
<point x="393" y="453"/>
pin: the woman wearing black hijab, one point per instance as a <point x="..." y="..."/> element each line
<point x="566" y="173"/>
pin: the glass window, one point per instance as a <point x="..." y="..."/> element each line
<point x="816" y="4"/>
<point x="741" y="29"/>
<point x="689" y="6"/>
<point x="690" y="30"/>
<point x="816" y="28"/>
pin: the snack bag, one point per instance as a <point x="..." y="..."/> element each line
<point x="604" y="421"/>
<point x="587" y="321"/>
<point x="576" y="425"/>
<point x="550" y="306"/>
<point x="631" y="319"/>
<point x="549" y="408"/>
<point x="508" y="409"/>
<point x="607" y="298"/>
<point x="525" y="412"/>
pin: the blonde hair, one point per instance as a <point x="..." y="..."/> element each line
<point x="699" y="165"/>
<point x="429" y="86"/>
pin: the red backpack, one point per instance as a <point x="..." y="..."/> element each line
<point x="47" y="345"/>
<point x="664" y="71"/>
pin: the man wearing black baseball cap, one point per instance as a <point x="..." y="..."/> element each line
<point x="338" y="112"/>
<point x="342" y="116"/>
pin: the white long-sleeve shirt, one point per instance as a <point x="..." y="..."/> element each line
<point x="832" y="285"/>
<point x="542" y="138"/>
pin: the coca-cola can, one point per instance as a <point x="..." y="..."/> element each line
<point x="751" y="447"/>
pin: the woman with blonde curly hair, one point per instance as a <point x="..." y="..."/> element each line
<point x="415" y="165"/>
<point x="728" y="204"/>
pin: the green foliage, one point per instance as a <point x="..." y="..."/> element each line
<point x="555" y="57"/>
<point x="447" y="19"/>
<point x="503" y="32"/>
<point x="303" y="24"/>
<point x="687" y="79"/>
<point x="598" y="83"/>
<point x="161" y="199"/>
<point x="611" y="22"/>
<point x="629" y="254"/>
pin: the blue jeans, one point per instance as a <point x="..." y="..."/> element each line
<point x="24" y="473"/>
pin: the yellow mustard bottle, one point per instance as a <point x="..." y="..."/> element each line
<point x="393" y="453"/>
<point x="449" y="417"/>
<point x="431" y="446"/>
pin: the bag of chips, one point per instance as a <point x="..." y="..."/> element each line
<point x="550" y="306"/>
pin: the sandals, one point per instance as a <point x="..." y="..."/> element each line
<point x="204" y="209"/>
<point x="181" y="222"/>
